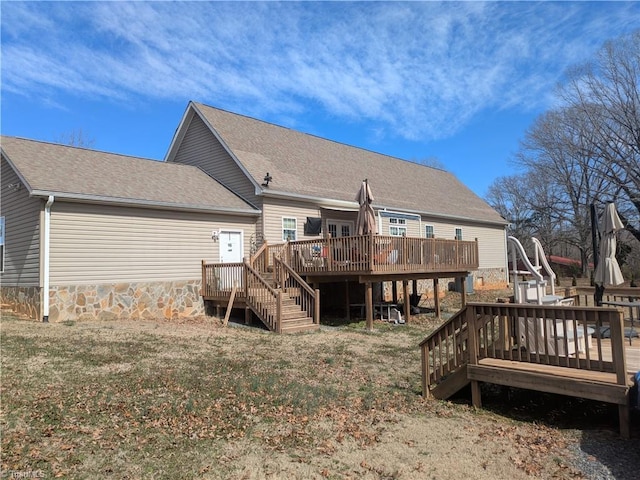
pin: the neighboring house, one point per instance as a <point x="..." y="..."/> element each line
<point x="88" y="234"/>
<point x="297" y="178"/>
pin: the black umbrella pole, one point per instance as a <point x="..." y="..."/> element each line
<point x="597" y="297"/>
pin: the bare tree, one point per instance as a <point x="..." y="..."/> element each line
<point x="558" y="148"/>
<point x="606" y="93"/>
<point x="76" y="138"/>
<point x="586" y="151"/>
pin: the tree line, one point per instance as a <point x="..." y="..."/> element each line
<point x="584" y="151"/>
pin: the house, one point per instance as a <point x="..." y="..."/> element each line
<point x="296" y="179"/>
<point x="88" y="234"/>
<point x="95" y="234"/>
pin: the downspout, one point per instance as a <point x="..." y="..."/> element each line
<point x="45" y="247"/>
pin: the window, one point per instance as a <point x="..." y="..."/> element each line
<point x="1" y="244"/>
<point x="289" y="227"/>
<point x="397" y="227"/>
<point x="428" y="231"/>
<point x="458" y="234"/>
<point x="346" y="230"/>
<point x="333" y="230"/>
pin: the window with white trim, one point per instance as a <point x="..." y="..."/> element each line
<point x="428" y="231"/>
<point x="458" y="234"/>
<point x="1" y="244"/>
<point x="397" y="227"/>
<point x="289" y="229"/>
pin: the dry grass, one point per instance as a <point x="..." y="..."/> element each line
<point x="195" y="400"/>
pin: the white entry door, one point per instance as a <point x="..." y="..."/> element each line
<point x="230" y="247"/>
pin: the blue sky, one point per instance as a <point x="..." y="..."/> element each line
<point x="458" y="81"/>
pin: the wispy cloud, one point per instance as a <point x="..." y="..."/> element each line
<point x="418" y="70"/>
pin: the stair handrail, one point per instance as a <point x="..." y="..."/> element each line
<point x="260" y="296"/>
<point x="444" y="350"/>
<point x="542" y="258"/>
<point x="517" y="248"/>
<point x="309" y="302"/>
<point x="259" y="256"/>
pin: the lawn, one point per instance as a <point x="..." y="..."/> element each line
<point x="192" y="399"/>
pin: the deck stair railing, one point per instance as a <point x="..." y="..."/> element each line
<point x="294" y="287"/>
<point x="264" y="300"/>
<point x="445" y="351"/>
<point x="563" y="336"/>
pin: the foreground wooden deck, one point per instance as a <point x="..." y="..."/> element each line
<point x="554" y="349"/>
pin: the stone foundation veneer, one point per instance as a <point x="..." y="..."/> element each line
<point x="22" y="300"/>
<point x="485" y="279"/>
<point x="131" y="301"/>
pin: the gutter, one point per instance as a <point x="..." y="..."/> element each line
<point x="47" y="235"/>
<point x="127" y="202"/>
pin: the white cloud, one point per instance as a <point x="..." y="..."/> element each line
<point x="418" y="70"/>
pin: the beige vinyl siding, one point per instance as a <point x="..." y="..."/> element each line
<point x="412" y="224"/>
<point x="274" y="210"/>
<point x="107" y="244"/>
<point x="201" y="148"/>
<point x="22" y="232"/>
<point x="491" y="240"/>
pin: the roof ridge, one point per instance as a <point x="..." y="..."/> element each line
<point x="320" y="138"/>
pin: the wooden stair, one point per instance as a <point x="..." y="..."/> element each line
<point x="293" y="319"/>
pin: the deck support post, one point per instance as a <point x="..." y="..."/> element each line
<point x="463" y="291"/>
<point x="346" y="301"/>
<point x="394" y="292"/>
<point x="407" y="301"/>
<point x="436" y="297"/>
<point x="368" y="302"/>
<point x="247" y="316"/>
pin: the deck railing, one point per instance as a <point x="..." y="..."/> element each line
<point x="382" y="254"/>
<point x="218" y="279"/>
<point x="549" y="335"/>
<point x="585" y="295"/>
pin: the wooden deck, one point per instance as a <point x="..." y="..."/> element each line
<point x="552" y="349"/>
<point x="364" y="258"/>
<point x="381" y="256"/>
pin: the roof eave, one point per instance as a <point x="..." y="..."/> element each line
<point x="128" y="202"/>
<point x="15" y="169"/>
<point x="192" y="110"/>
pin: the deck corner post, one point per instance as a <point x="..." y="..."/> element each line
<point x="617" y="347"/>
<point x="623" y="417"/>
<point x="476" y="397"/>
<point x="316" y="310"/>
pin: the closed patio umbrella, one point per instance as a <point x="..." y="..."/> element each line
<point x="608" y="271"/>
<point x="366" y="222"/>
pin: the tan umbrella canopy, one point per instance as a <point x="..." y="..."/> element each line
<point x="366" y="222"/>
<point x="608" y="271"/>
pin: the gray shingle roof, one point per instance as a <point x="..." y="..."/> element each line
<point x="80" y="173"/>
<point x="303" y="164"/>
